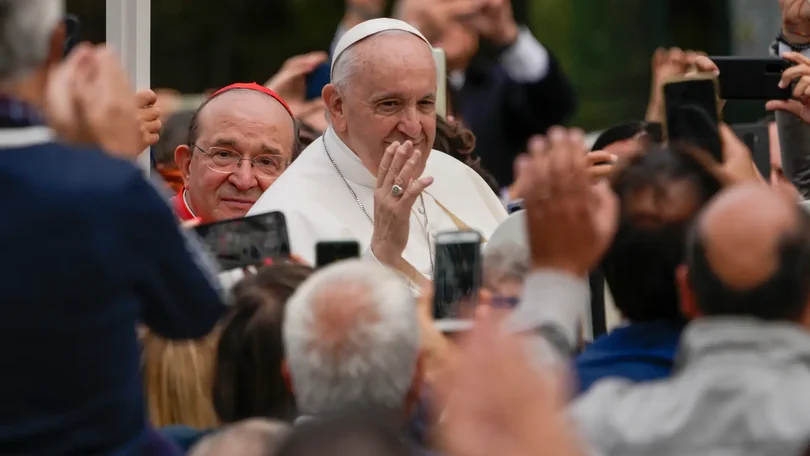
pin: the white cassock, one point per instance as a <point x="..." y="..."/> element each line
<point x="319" y="206"/>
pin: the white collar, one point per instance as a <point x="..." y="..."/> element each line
<point x="24" y="137"/>
<point x="347" y="161"/>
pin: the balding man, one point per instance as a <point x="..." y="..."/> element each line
<point x="373" y="175"/>
<point x="745" y="359"/>
<point x="351" y="340"/>
<point x="239" y="141"/>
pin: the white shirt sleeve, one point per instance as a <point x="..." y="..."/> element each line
<point x="526" y="60"/>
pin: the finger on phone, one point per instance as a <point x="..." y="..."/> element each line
<point x="601" y="171"/>
<point x="796" y="57"/>
<point x="601" y="157"/>
<point x="792" y="73"/>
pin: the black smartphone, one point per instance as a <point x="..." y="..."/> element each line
<point x="745" y="78"/>
<point x="72" y="29"/>
<point x="247" y="241"/>
<point x="692" y="116"/>
<point x="328" y="252"/>
<point x="457" y="279"/>
<point x="757" y="138"/>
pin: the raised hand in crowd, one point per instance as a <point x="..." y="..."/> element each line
<point x="571" y="221"/>
<point x="148" y="117"/>
<point x="495" y="22"/>
<point x="667" y="64"/>
<point x="291" y="85"/>
<point x="398" y="188"/>
<point x="737" y="167"/>
<point x="499" y="404"/>
<point x="800" y="74"/>
<point x="432" y="17"/>
<point x="601" y="164"/>
<point x="89" y="99"/>
<point x="358" y="11"/>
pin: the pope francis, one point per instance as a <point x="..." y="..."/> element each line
<point x="373" y="176"/>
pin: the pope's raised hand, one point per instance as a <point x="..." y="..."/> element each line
<point x="398" y="188"/>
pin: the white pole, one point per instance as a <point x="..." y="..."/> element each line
<point x="129" y="31"/>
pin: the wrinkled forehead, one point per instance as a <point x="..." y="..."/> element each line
<point x="392" y="58"/>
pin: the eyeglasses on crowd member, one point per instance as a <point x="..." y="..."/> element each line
<point x="239" y="142"/>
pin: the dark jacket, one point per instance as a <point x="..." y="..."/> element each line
<point x="504" y="114"/>
<point x="89" y="250"/>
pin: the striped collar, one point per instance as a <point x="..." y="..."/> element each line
<point x="21" y="124"/>
<point x="24" y="137"/>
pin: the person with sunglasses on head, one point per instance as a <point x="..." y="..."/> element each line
<point x="239" y="141"/>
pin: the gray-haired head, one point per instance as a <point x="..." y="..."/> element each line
<point x="351" y="338"/>
<point x="254" y="437"/>
<point x="507" y="262"/>
<point x="26" y="34"/>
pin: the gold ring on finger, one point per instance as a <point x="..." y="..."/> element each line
<point x="396" y="190"/>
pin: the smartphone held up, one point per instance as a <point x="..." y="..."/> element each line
<point x="457" y="279"/>
<point x="692" y="114"/>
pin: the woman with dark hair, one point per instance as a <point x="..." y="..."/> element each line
<point x="247" y="375"/>
<point x="454" y="139"/>
<point x="247" y="380"/>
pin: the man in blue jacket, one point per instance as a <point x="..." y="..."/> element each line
<point x="89" y="248"/>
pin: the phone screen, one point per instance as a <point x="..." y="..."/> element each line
<point x="72" y="29"/>
<point x="691" y="114"/>
<point x="247" y="241"/>
<point x="458" y="275"/>
<point x="328" y="252"/>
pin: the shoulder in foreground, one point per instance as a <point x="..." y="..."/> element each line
<point x="59" y="172"/>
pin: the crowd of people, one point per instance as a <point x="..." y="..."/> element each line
<point x="134" y="341"/>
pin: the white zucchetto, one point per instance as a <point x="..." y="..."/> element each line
<point x="368" y="28"/>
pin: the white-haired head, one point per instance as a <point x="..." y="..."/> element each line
<point x="26" y="33"/>
<point x="351" y="339"/>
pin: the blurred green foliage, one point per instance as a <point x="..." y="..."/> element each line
<point x="604" y="45"/>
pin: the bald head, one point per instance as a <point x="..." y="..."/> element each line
<point x="750" y="255"/>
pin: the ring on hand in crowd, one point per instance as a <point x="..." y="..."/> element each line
<point x="396" y="190"/>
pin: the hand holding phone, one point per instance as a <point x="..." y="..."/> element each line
<point x="457" y="279"/>
<point x="744" y="78"/>
<point x="247" y="241"/>
<point x="692" y="114"/>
